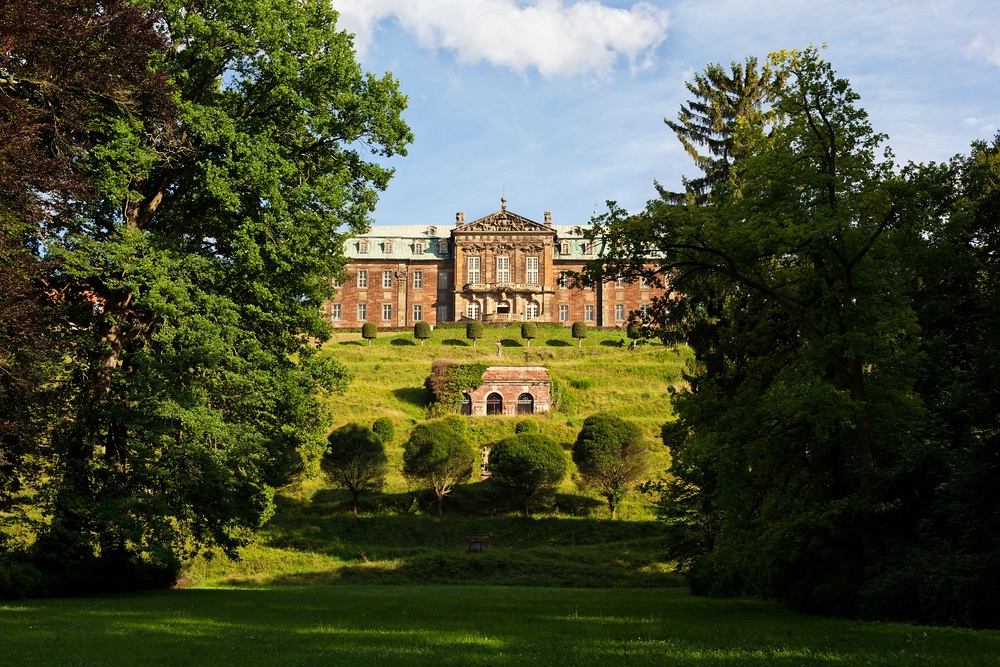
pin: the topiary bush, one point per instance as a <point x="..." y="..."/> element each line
<point x="474" y="331"/>
<point x="421" y="331"/>
<point x="384" y="429"/>
<point x="579" y="332"/>
<point x="526" y="426"/>
<point x="527" y="465"/>
<point x="528" y="332"/>
<point x="369" y="331"/>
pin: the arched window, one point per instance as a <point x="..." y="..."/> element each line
<point x="525" y="404"/>
<point x="531" y="310"/>
<point x="503" y="308"/>
<point x="494" y="404"/>
<point x="466" y="404"/>
<point x="472" y="310"/>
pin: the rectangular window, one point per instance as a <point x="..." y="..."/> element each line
<point x="387" y="279"/>
<point x="503" y="269"/>
<point x="619" y="283"/>
<point x="362" y="278"/>
<point x="588" y="248"/>
<point x="386" y="311"/>
<point x="642" y="283"/>
<point x="387" y="246"/>
<point x="335" y="282"/>
<point x="531" y="270"/>
<point x="335" y="311"/>
<point x="588" y="312"/>
<point x="362" y="312"/>
<point x="418" y="313"/>
<point x="443" y="280"/>
<point x="564" y="248"/>
<point x="563" y="281"/>
<point x="362" y="247"/>
<point x="473" y="269"/>
<point x="619" y="312"/>
<point x="418" y="248"/>
<point x="418" y="280"/>
<point x="564" y="313"/>
<point x="442" y="313"/>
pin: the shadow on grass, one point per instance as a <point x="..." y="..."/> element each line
<point x="614" y="343"/>
<point x="419" y="397"/>
<point x="510" y="342"/>
<point x="359" y="343"/>
<point x="406" y="342"/>
<point x="455" y="341"/>
<point x="555" y="342"/>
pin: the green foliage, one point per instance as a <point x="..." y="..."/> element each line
<point x="526" y="465"/>
<point x="611" y="455"/>
<point x="369" y="331"/>
<point x="385" y="429"/>
<point x="579" y="332"/>
<point x="474" y="331"/>
<point x="448" y="380"/>
<point x="355" y="460"/>
<point x="634" y="331"/>
<point x="526" y="426"/>
<point x="439" y="456"/>
<point x="421" y="331"/>
<point x="529" y="331"/>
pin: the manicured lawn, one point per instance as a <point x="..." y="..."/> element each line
<point x="458" y="625"/>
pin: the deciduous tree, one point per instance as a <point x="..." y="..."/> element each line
<point x="438" y="455"/>
<point x="612" y="455"/>
<point x="355" y="460"/>
<point x="527" y="465"/>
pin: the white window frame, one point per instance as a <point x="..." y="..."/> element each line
<point x="418" y="280"/>
<point x="418" y="248"/>
<point x="531" y="270"/>
<point x="619" y="312"/>
<point x="386" y="279"/>
<point x="362" y="312"/>
<point x="503" y="268"/>
<point x="588" y="312"/>
<point x="386" y="312"/>
<point x="564" y="313"/>
<point x="563" y="280"/>
<point x="418" y="312"/>
<point x="336" y="312"/>
<point x="473" y="269"/>
<point x="387" y="246"/>
<point x="362" y="247"/>
<point x="531" y="310"/>
<point x="362" y="278"/>
<point x="619" y="283"/>
<point x="472" y="310"/>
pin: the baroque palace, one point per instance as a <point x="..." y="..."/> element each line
<point x="502" y="267"/>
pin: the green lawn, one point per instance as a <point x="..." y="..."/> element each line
<point x="437" y="625"/>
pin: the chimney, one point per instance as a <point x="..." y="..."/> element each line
<point x="548" y="218"/>
<point x="459" y="218"/>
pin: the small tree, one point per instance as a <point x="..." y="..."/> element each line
<point x="634" y="330"/>
<point x="526" y="426"/>
<point x="355" y="460"/>
<point x="526" y="465"/>
<point x="474" y="331"/>
<point x="528" y="332"/>
<point x="439" y="456"/>
<point x="611" y="455"/>
<point x="369" y="331"/>
<point x="579" y="332"/>
<point x="385" y="429"/>
<point x="421" y="331"/>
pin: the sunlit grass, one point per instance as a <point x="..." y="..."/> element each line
<point x="471" y="625"/>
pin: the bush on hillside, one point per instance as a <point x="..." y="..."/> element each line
<point x="474" y="331"/>
<point x="369" y="331"/>
<point x="528" y="332"/>
<point x="526" y="426"/>
<point x="611" y="455"/>
<point x="421" y="331"/>
<point x="439" y="456"/>
<point x="355" y="460"/>
<point x="579" y="332"/>
<point x="527" y="465"/>
<point x="384" y="429"/>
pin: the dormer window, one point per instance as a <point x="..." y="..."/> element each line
<point x="432" y="231"/>
<point x="588" y="248"/>
<point x="387" y="246"/>
<point x="564" y="248"/>
<point x="418" y="247"/>
<point x="363" y="247"/>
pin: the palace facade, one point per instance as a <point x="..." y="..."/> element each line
<point x="501" y="267"/>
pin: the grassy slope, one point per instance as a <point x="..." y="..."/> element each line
<point x="442" y="626"/>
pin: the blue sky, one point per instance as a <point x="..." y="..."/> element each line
<point x="559" y="104"/>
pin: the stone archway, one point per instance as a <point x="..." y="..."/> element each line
<point x="494" y="404"/>
<point x="525" y="404"/>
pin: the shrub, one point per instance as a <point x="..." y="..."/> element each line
<point x="634" y="330"/>
<point x="526" y="465"/>
<point x="526" y="426"/>
<point x="447" y="381"/>
<point x="369" y="331"/>
<point x="611" y="455"/>
<point x="579" y="332"/>
<point x="439" y="456"/>
<point x="355" y="460"/>
<point x="384" y="429"/>
<point x="474" y="331"/>
<point x="528" y="332"/>
<point x="421" y="331"/>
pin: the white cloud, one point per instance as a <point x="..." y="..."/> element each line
<point x="987" y="48"/>
<point x="554" y="37"/>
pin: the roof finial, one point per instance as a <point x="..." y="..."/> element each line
<point x="503" y="203"/>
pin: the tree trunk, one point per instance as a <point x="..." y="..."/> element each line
<point x="354" y="497"/>
<point x="440" y="497"/>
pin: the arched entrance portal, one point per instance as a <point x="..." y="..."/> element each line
<point x="494" y="404"/>
<point x="503" y="308"/>
<point x="525" y="404"/>
<point x="466" y="404"/>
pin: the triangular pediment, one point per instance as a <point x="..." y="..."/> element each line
<point x="504" y="221"/>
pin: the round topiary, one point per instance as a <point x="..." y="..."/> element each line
<point x="526" y="426"/>
<point x="528" y="331"/>
<point x="421" y="331"/>
<point x="634" y="330"/>
<point x="579" y="332"/>
<point x="369" y="331"/>
<point x="384" y="429"/>
<point x="474" y="331"/>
